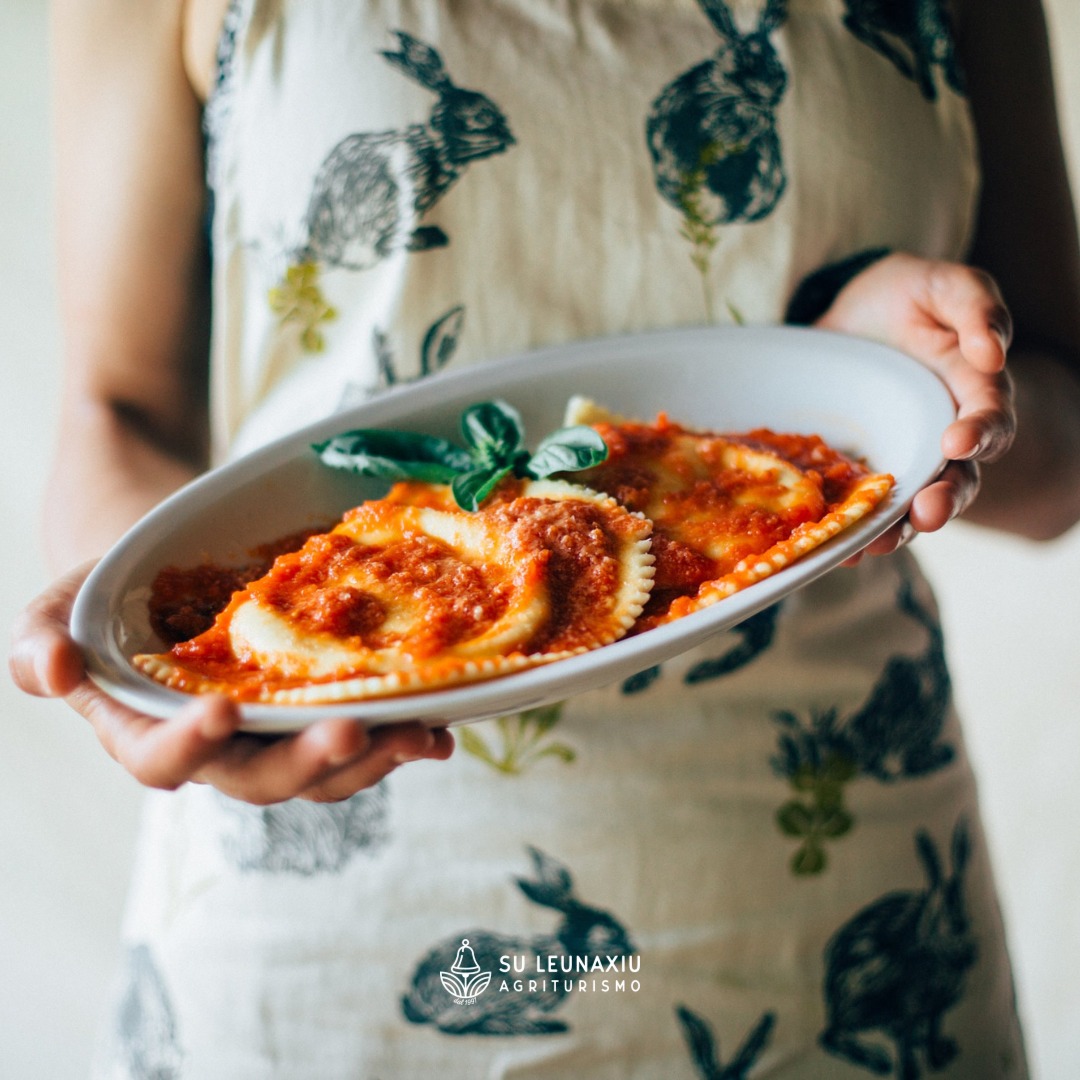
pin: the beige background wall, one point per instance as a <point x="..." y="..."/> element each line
<point x="67" y="814"/>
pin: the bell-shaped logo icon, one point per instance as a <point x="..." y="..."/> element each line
<point x="465" y="962"/>
<point x="465" y="981"/>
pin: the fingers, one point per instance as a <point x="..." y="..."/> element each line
<point x="389" y="747"/>
<point x="932" y="508"/>
<point x="44" y="661"/>
<point x="264" y="770"/>
<point x="326" y="762"/>
<point x="903" y="532"/>
<point x="159" y="753"/>
<point x="985" y="424"/>
<point x="969" y="301"/>
<point x="947" y="497"/>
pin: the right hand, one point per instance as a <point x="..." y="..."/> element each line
<point x="326" y="762"/>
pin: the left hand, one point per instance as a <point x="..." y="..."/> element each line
<point x="326" y="762"/>
<point x="951" y="318"/>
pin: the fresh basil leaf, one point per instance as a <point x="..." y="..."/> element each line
<point x="493" y="432"/>
<point x="472" y="488"/>
<point x="395" y="455"/>
<point x="567" y="450"/>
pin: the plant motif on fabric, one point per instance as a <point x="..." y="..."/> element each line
<point x="374" y="187"/>
<point x="519" y="741"/>
<point x="897" y="966"/>
<point x="705" y="1051"/>
<point x="524" y="1008"/>
<point x="818" y="763"/>
<point x="894" y="735"/>
<point x="702" y="234"/>
<point x="299" y="300"/>
<point x="713" y="139"/>
<point x="436" y="350"/>
<point x="915" y="36"/>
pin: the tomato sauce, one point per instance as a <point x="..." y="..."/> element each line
<point x="578" y="546"/>
<point x="185" y="601"/>
<point x="417" y="594"/>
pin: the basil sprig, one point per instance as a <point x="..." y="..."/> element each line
<point x="494" y="448"/>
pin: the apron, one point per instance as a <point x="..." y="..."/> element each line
<point x="761" y="859"/>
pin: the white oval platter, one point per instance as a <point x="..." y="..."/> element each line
<point x="859" y="396"/>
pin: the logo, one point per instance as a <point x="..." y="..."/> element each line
<point x="465" y="982"/>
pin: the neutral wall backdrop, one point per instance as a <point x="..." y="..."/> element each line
<point x="68" y="814"/>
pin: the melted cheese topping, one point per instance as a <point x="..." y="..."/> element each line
<point x="402" y="597"/>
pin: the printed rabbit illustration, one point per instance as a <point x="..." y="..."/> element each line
<point x="436" y="350"/>
<point x="706" y="1053"/>
<point x="914" y="35"/>
<point x="898" y="966"/>
<point x="896" y="731"/>
<point x="304" y="838"/>
<point x="755" y="636"/>
<point x="712" y="132"/>
<point x="584" y="931"/>
<point x="374" y="187"/>
<point x="756" y="632"/>
<point x="896" y="734"/>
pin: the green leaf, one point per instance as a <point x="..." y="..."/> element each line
<point x="834" y="823"/>
<point x="493" y="432"/>
<point x="543" y="718"/>
<point x="795" y="819"/>
<point x="829" y="796"/>
<point x="839" y="769"/>
<point x="494" y="436"/>
<point x="561" y="751"/>
<point x="395" y="455"/>
<point x="471" y="743"/>
<point x="472" y="488"/>
<point x="567" y="450"/>
<point x="809" y="859"/>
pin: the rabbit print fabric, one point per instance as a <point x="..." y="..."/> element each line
<point x="760" y="859"/>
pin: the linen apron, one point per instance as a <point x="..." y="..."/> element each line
<point x="762" y="859"/>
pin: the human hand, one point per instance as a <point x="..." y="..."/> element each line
<point x="326" y="762"/>
<point x="951" y="318"/>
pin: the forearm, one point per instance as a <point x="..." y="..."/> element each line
<point x="1034" y="490"/>
<point x="133" y="270"/>
<point x="107" y="472"/>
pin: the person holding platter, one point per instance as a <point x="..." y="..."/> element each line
<point x="779" y="829"/>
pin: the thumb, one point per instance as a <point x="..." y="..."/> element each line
<point x="44" y="660"/>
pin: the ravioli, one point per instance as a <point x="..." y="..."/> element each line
<point x="409" y="593"/>
<point x="727" y="510"/>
